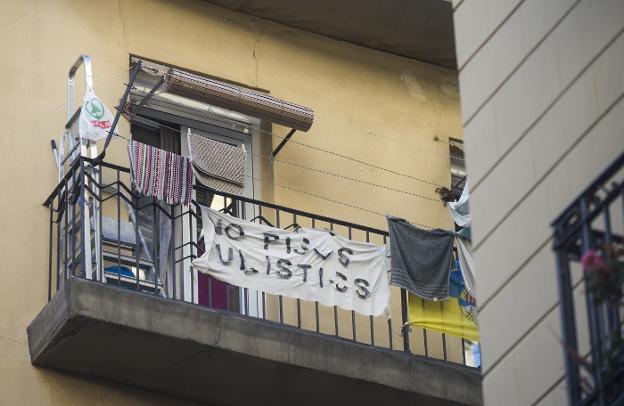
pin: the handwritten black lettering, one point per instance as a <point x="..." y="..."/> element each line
<point x="321" y="255"/>
<point x="305" y="268"/>
<point x="284" y="272"/>
<point x="304" y="247"/>
<point x="342" y="258"/>
<point x="341" y="289"/>
<point x="362" y="286"/>
<point x="219" y="227"/>
<point x="268" y="239"/>
<point x="229" y="228"/>
<point x="230" y="254"/>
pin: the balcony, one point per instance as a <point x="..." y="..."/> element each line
<point x="124" y="308"/>
<point x="587" y="235"/>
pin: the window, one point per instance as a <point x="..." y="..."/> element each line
<point x="458" y="169"/>
<point x="164" y="120"/>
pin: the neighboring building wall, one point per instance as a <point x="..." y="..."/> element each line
<point x="541" y="89"/>
<point x="361" y="88"/>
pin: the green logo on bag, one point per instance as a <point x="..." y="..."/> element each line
<point x="95" y="108"/>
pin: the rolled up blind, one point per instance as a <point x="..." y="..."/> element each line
<point x="232" y="97"/>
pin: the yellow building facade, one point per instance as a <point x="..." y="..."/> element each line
<point x="393" y="113"/>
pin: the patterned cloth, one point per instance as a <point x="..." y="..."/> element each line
<point x="217" y="164"/>
<point x="160" y="174"/>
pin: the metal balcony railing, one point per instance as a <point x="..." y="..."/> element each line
<point x="95" y="204"/>
<point x="591" y="326"/>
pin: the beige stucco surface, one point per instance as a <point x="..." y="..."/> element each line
<point x="354" y="92"/>
<point x="542" y="108"/>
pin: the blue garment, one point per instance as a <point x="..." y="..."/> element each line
<point x="120" y="270"/>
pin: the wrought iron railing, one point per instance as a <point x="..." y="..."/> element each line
<point x="94" y="203"/>
<point x="591" y="327"/>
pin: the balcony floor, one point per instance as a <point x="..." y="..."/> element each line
<point x="220" y="358"/>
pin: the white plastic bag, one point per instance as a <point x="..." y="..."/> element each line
<point x="95" y="119"/>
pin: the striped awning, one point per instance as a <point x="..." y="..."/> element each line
<point x="217" y="164"/>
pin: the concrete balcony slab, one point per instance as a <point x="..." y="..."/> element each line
<point x="220" y="358"/>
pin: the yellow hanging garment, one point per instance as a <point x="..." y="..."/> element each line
<point x="457" y="315"/>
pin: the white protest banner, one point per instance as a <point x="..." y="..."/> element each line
<point x="95" y="120"/>
<point x="308" y="264"/>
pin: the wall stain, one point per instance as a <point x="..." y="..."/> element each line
<point x="413" y="86"/>
<point x="450" y="87"/>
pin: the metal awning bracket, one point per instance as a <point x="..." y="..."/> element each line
<point x="284" y="141"/>
<point x="151" y="93"/>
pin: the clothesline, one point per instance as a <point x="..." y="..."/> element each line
<point x="420" y="260"/>
<point x="315" y="195"/>
<point x="271" y="159"/>
<point x="368" y="132"/>
<point x="20" y="129"/>
<point x="385" y="137"/>
<point x="318" y="149"/>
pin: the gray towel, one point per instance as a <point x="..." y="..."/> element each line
<point x="421" y="260"/>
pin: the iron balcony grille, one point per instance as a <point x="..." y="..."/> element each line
<point x="127" y="254"/>
<point x="591" y="328"/>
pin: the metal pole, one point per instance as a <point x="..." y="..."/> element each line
<point x="385" y="241"/>
<point x="173" y="253"/>
<point x="594" y="321"/>
<point x="85" y="234"/>
<point x="613" y="314"/>
<point x="136" y="235"/>
<point x="568" y="326"/>
<point x="137" y="243"/>
<point x="404" y="324"/>
<point x="59" y="240"/>
<point x="122" y="103"/>
<point x="99" y="228"/>
<point x="50" y="258"/>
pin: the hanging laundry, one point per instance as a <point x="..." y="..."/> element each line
<point x="467" y="264"/>
<point x="465" y="233"/>
<point x="95" y="120"/>
<point x="305" y="263"/>
<point x="420" y="259"/>
<point x="157" y="173"/>
<point x="217" y="165"/>
<point x="456" y="316"/>
<point x="460" y="210"/>
<point x="211" y="292"/>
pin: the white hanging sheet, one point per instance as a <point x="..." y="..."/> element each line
<point x="460" y="210"/>
<point x="307" y="264"/>
<point x="467" y="265"/>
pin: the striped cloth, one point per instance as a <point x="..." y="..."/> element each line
<point x="157" y="173"/>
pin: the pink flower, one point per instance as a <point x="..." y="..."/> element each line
<point x="593" y="261"/>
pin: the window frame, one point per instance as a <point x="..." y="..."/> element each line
<point x="240" y="130"/>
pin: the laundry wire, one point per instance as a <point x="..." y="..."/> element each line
<point x="319" y="149"/>
<point x="391" y="139"/>
<point x="289" y="187"/>
<point x="272" y="159"/>
<point x="236" y="123"/>
<point x="368" y="132"/>
<point x="57" y="107"/>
